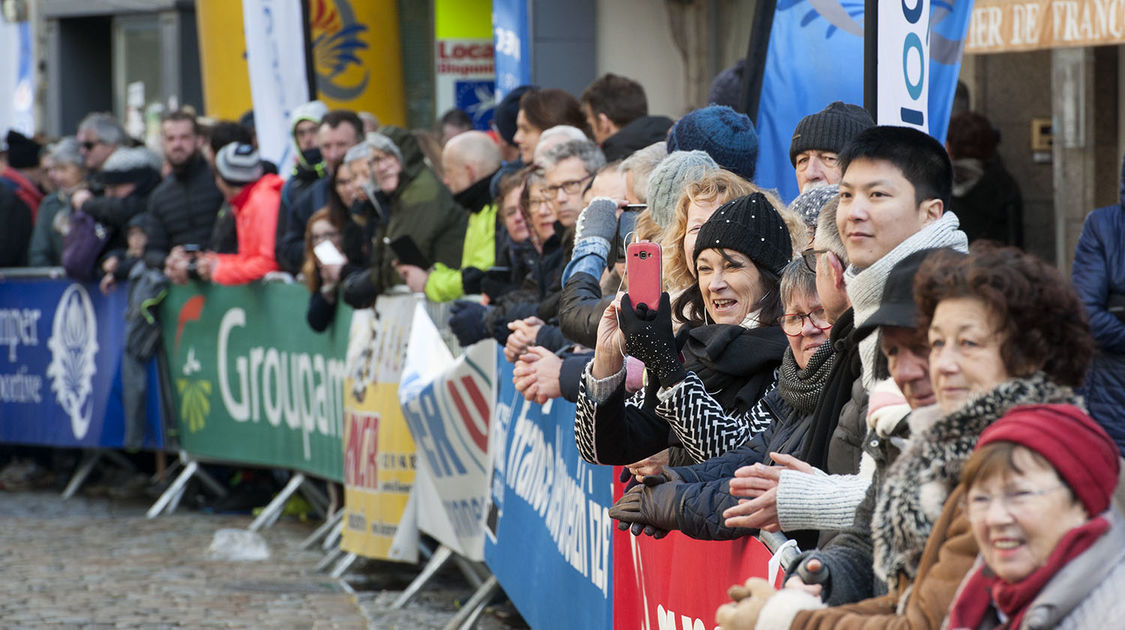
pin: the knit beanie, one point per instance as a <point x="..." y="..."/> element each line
<point x="505" y="115"/>
<point x="379" y="142"/>
<point x="667" y="181"/>
<point x="809" y="203"/>
<point x="749" y="225"/>
<point x="726" y="135"/>
<point x="726" y="87"/>
<point x="238" y="164"/>
<point x="130" y="165"/>
<point x="829" y="129"/>
<point x="23" y="152"/>
<point x="1079" y="449"/>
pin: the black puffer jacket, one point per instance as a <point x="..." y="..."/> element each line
<point x="581" y="307"/>
<point x="638" y="134"/>
<point x="182" y="211"/>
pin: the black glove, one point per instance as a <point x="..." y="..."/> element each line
<point x="649" y="339"/>
<point x="467" y="322"/>
<point x="470" y="280"/>
<point x="808" y="576"/>
<point x="649" y="508"/>
<point x="630" y="480"/>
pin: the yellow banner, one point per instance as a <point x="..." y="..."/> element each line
<point x="1013" y="25"/>
<point x="379" y="453"/>
<point x="379" y="464"/>
<point x="356" y="54"/>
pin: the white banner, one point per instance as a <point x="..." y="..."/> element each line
<point x="903" y="63"/>
<point x="275" y="54"/>
<point x="447" y="404"/>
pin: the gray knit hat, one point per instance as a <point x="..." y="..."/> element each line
<point x="130" y="164"/>
<point x="809" y="203"/>
<point x="238" y="164"/>
<point x="749" y="225"/>
<point x="667" y="181"/>
<point x="379" y="142"/>
<point x="829" y="129"/>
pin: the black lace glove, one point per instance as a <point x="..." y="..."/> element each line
<point x="650" y="507"/>
<point x="649" y="339"/>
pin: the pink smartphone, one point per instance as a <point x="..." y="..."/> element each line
<point x="642" y="268"/>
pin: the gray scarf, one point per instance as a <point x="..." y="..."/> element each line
<point x="865" y="286"/>
<point x="800" y="387"/>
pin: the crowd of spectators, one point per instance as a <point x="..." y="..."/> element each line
<point x="845" y="369"/>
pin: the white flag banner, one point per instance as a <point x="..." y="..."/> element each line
<point x="275" y="54"/>
<point x="904" y="63"/>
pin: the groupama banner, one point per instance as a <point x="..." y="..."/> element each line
<point x="252" y="383"/>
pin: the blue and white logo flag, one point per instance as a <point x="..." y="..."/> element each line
<point x="816" y="57"/>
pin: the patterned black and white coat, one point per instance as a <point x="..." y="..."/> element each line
<point x="611" y="429"/>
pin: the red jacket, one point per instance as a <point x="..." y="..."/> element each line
<point x="24" y="189"/>
<point x="255" y="219"/>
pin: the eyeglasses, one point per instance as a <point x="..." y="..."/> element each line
<point x="571" y="187"/>
<point x="794" y="323"/>
<point x="1014" y="502"/>
<point x="809" y="256"/>
<point x="320" y="237"/>
<point x="89" y="146"/>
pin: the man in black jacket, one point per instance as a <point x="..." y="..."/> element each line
<point x="617" y="111"/>
<point x="182" y="209"/>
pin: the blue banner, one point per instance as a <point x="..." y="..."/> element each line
<point x="548" y="536"/>
<point x="512" y="37"/>
<point x="816" y="57"/>
<point x="60" y="366"/>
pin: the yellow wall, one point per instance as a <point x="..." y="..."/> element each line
<point x="368" y="29"/>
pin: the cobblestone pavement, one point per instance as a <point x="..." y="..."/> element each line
<point x="99" y="563"/>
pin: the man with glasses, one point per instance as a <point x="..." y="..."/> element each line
<point x="99" y="135"/>
<point x="568" y="169"/>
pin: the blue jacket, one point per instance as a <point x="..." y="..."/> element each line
<point x="1098" y="271"/>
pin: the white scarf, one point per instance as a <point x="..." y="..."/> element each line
<point x="865" y="286"/>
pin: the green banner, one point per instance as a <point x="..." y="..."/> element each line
<point x="252" y="383"/>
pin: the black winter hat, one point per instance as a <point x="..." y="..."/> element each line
<point x="505" y="115"/>
<point x="829" y="129"/>
<point x="749" y="225"/>
<point x="23" y="152"/>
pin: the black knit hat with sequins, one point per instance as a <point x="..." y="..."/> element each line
<point x="749" y="225"/>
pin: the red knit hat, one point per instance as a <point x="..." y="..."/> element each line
<point x="1080" y="450"/>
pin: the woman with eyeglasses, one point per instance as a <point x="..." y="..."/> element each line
<point x="701" y="492"/>
<point x="1004" y="330"/>
<point x="1037" y="493"/>
<point x="730" y="342"/>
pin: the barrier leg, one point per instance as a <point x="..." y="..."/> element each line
<point x="328" y="559"/>
<point x="273" y="510"/>
<point x="470" y="612"/>
<point x="119" y="459"/>
<point x="173" y="490"/>
<point x="334" y="535"/>
<point x="315" y="497"/>
<point x="437" y="561"/>
<point x="89" y="460"/>
<point x="343" y="565"/>
<point x="323" y="530"/>
<point x="470" y="570"/>
<point x="209" y="481"/>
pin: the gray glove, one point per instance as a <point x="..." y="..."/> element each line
<point x="597" y="221"/>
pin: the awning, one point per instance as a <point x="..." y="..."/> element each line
<point x="1015" y="25"/>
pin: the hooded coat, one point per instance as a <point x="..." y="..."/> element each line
<point x="420" y="207"/>
<point x="305" y="192"/>
<point x="1098" y="275"/>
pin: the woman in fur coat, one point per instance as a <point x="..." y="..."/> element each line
<point x="1005" y="329"/>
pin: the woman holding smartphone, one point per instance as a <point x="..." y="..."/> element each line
<point x="730" y="342"/>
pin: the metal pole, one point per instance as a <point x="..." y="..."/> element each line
<point x="871" y="58"/>
<point x="755" y="67"/>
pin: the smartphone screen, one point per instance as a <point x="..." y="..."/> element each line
<point x="327" y="254"/>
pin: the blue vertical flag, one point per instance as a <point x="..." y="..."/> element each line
<point x="512" y="38"/>
<point x="815" y="57"/>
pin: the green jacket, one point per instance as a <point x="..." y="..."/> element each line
<point x="421" y="207"/>
<point x="444" y="283"/>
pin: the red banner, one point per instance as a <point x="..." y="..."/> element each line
<point x="676" y="583"/>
